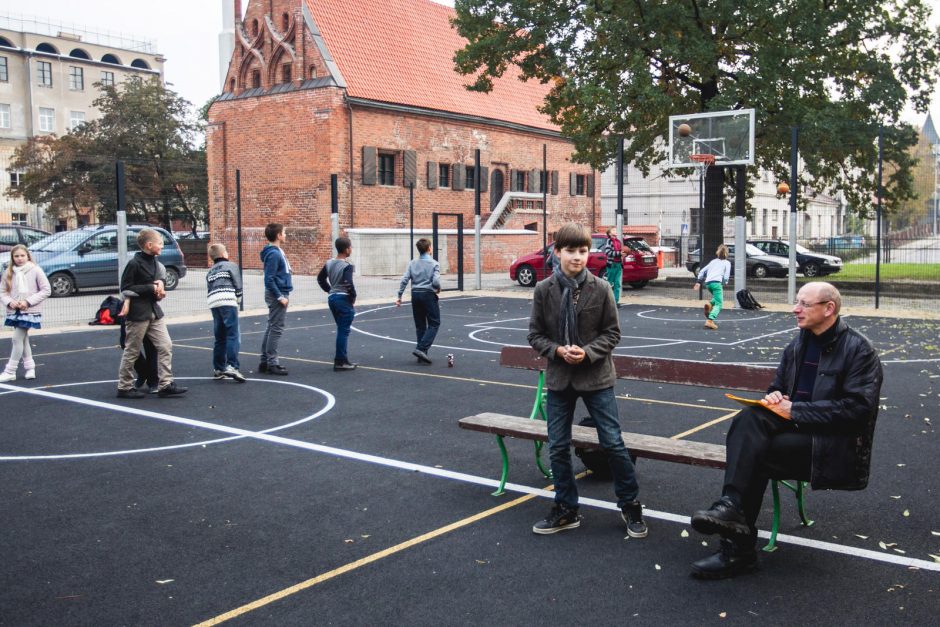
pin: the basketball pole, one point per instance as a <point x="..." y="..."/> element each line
<point x="794" y="162"/>
<point x="740" y="229"/>
<point x="619" y="218"/>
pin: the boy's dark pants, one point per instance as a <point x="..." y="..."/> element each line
<point x="272" y="334"/>
<point x="343" y="313"/>
<point x="227" y="337"/>
<point x="427" y="315"/>
<point x="602" y="406"/>
<point x="761" y="446"/>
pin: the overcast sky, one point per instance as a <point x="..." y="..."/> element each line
<point x="186" y="32"/>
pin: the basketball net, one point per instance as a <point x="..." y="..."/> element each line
<point x="703" y="161"/>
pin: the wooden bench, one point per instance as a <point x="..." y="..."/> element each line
<point x="703" y="374"/>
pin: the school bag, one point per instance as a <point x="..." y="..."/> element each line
<point x="746" y="300"/>
<point x="108" y="311"/>
<point x="595" y="460"/>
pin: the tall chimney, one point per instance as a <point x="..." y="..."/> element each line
<point x="227" y="37"/>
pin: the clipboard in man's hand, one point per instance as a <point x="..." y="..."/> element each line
<point x="750" y="402"/>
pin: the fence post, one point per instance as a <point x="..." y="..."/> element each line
<point x="238" y="229"/>
<point x="121" y="217"/>
<point x="878" y="236"/>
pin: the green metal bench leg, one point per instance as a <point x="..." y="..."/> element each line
<point x="538" y="460"/>
<point x="502" y="480"/>
<point x="797" y="488"/>
<point x="539" y="413"/>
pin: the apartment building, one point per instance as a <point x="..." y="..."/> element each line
<point x="48" y="74"/>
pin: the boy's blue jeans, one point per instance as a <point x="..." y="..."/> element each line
<point x="227" y="337"/>
<point x="343" y="313"/>
<point x="602" y="406"/>
<point x="427" y="315"/>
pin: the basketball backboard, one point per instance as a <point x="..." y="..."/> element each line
<point x="728" y="135"/>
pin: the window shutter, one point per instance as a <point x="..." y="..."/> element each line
<point x="458" y="173"/>
<point x="572" y="184"/>
<point x="369" y="158"/>
<point x="432" y="174"/>
<point x="554" y="182"/>
<point x="589" y="184"/>
<point x="484" y="179"/>
<point x="410" y="175"/>
<point x="535" y="181"/>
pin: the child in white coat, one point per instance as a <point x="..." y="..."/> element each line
<point x="23" y="288"/>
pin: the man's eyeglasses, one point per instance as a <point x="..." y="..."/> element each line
<point x="804" y="305"/>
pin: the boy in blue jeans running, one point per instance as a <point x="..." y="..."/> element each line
<point x="574" y="325"/>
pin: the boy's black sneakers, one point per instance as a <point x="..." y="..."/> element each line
<point x="421" y="355"/>
<point x="723" y="517"/>
<point x="171" y="390"/>
<point x="277" y="369"/>
<point x="341" y="366"/>
<point x="262" y="368"/>
<point x="632" y="514"/>
<point x="559" y="519"/>
<point x="131" y="393"/>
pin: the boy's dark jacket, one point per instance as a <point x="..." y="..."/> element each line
<point x="598" y="326"/>
<point x="277" y="276"/>
<point x="139" y="276"/>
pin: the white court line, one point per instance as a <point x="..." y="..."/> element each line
<point x="459" y="476"/>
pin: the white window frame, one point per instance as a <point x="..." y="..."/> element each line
<point x="46" y="119"/>
<point x="76" y="78"/>
<point x="107" y="78"/>
<point x="4" y="70"/>
<point x="42" y="75"/>
<point x="76" y="119"/>
<point x="5" y="116"/>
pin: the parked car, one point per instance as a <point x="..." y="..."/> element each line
<point x="639" y="263"/>
<point x="759" y="264"/>
<point x="87" y="257"/>
<point x="13" y="234"/>
<point x="809" y="263"/>
<point x="189" y="235"/>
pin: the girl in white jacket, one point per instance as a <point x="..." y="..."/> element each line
<point x="715" y="276"/>
<point x="23" y="287"/>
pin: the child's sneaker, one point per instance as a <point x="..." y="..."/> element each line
<point x="559" y="519"/>
<point x="710" y="324"/>
<point x="233" y="373"/>
<point x="7" y="376"/>
<point x="632" y="514"/>
<point x="218" y="375"/>
<point x="30" y="374"/>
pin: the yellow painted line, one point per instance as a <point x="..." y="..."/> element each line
<point x="710" y="423"/>
<point x="244" y="609"/>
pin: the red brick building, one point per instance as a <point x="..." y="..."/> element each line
<point x="366" y="90"/>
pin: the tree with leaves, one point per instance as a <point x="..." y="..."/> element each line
<point x="145" y="125"/>
<point x="837" y="69"/>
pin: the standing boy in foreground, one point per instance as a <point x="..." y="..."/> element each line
<point x="224" y="284"/>
<point x="336" y="278"/>
<point x="277" y="289"/>
<point x="145" y="318"/>
<point x="425" y="276"/>
<point x="574" y="325"/>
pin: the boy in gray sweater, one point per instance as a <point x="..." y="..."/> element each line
<point x="336" y="278"/>
<point x="424" y="273"/>
<point x="224" y="284"/>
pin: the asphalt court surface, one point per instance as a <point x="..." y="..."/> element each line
<point x="353" y="498"/>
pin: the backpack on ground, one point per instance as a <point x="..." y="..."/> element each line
<point x="596" y="460"/>
<point x="746" y="300"/>
<point x="108" y="312"/>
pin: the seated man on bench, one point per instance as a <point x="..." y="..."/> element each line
<point x="817" y="426"/>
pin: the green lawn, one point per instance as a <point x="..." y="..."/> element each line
<point x="889" y="272"/>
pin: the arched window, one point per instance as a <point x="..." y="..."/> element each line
<point x="110" y="58"/>
<point x="254" y="28"/>
<point x="140" y="63"/>
<point x="231" y="85"/>
<point x="6" y="43"/>
<point x="44" y="47"/>
<point x="313" y="71"/>
<point x="255" y="79"/>
<point x="78" y="53"/>
<point x="285" y="22"/>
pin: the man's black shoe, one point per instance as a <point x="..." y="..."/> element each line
<point x="723" y="518"/>
<point x="732" y="560"/>
<point x="559" y="519"/>
<point x="131" y="393"/>
<point x="277" y="369"/>
<point x="171" y="390"/>
<point x="262" y="368"/>
<point x="344" y="366"/>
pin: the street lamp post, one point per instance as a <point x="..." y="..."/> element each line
<point x="936" y="168"/>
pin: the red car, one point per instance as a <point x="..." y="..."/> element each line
<point x="639" y="263"/>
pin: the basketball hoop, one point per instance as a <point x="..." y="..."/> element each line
<point x="703" y="160"/>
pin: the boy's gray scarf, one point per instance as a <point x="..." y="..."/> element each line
<point x="568" y="316"/>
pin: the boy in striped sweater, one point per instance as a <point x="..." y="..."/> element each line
<point x="224" y="282"/>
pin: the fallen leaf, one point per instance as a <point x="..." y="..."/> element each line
<point x="883" y="545"/>
<point x="163" y="581"/>
<point x="906" y="513"/>
<point x="896" y="497"/>
<point x="936" y="533"/>
<point x="481" y="562"/>
<point x="900" y="551"/>
<point x="861" y="536"/>
<point x="658" y="567"/>
<point x="723" y="614"/>
<point x="684" y="534"/>
<point x="936" y="558"/>
<point x="901" y="465"/>
<point x="365" y="535"/>
<point x="348" y="540"/>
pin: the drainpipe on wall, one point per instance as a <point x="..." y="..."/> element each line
<point x="352" y="205"/>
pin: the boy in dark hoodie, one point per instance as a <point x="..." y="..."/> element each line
<point x="277" y="289"/>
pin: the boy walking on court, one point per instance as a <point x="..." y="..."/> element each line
<point x="424" y="273"/>
<point x="574" y="325"/>
<point x="336" y="278"/>
<point x="715" y="275"/>
<point x="277" y="289"/>
<point x="145" y="318"/>
<point x="224" y="285"/>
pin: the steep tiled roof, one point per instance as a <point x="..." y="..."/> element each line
<point x="401" y="52"/>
